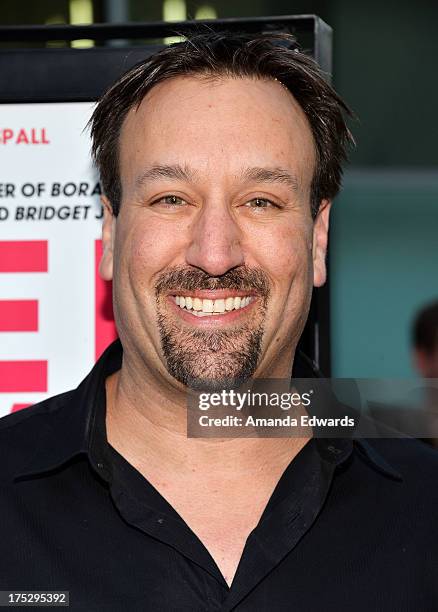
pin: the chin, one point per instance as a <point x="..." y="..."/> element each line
<point x="213" y="372"/>
<point x="211" y="360"/>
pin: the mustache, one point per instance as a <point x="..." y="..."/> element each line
<point x="242" y="278"/>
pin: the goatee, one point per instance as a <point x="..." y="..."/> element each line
<point x="212" y="360"/>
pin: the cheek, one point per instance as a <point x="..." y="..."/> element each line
<point x="286" y="255"/>
<point x="143" y="251"/>
<point x="149" y="245"/>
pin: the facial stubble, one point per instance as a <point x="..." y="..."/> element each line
<point x="212" y="359"/>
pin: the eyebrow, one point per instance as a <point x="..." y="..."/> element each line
<point x="184" y="173"/>
<point x="176" y="172"/>
<point x="271" y="175"/>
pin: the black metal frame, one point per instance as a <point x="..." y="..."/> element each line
<point x="77" y="75"/>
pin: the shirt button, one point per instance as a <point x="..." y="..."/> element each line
<point x="334" y="450"/>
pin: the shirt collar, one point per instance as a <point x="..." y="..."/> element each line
<point x="67" y="420"/>
<point x="70" y="426"/>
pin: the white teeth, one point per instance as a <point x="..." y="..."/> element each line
<point x="206" y="307"/>
<point x="219" y="306"/>
<point x="202" y="314"/>
<point x="197" y="304"/>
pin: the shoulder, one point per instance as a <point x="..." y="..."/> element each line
<point x="416" y="464"/>
<point x="411" y="502"/>
<point x="26" y="415"/>
<point x="412" y="458"/>
<point x="20" y="432"/>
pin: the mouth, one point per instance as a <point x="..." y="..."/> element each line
<point x="214" y="305"/>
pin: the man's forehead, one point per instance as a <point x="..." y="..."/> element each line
<point x="190" y="118"/>
<point x="218" y="93"/>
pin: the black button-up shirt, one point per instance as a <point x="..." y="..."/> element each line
<point x="351" y="526"/>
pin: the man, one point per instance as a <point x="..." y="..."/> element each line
<point x="219" y="159"/>
<point x="424" y="336"/>
<point x="425" y="340"/>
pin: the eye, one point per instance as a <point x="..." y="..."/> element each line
<point x="258" y="203"/>
<point x="170" y="201"/>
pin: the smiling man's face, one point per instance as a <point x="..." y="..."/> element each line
<point x="214" y="252"/>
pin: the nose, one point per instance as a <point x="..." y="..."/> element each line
<point x="215" y="245"/>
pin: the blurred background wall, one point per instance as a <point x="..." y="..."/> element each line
<point x="384" y="231"/>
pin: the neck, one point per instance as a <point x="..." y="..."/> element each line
<point x="149" y="428"/>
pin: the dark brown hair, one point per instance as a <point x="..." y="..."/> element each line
<point x="425" y="329"/>
<point x="216" y="54"/>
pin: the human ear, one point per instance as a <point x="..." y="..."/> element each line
<point x="108" y="237"/>
<point x="320" y="241"/>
